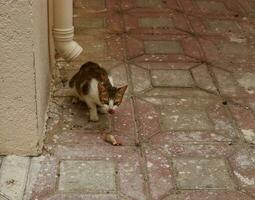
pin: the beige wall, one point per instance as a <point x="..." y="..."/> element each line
<point x="24" y="75"/>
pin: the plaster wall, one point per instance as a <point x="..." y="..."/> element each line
<point x="24" y="75"/>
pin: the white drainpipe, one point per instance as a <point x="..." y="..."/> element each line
<point x="63" y="30"/>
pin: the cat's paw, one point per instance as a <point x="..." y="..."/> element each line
<point x="94" y="118"/>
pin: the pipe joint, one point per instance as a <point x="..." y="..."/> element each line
<point x="65" y="45"/>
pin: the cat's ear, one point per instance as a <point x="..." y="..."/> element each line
<point x="119" y="94"/>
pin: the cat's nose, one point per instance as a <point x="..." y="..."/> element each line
<point x="111" y="111"/>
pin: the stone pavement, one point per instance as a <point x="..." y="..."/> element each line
<point x="188" y="119"/>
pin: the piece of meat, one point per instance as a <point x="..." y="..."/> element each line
<point x="112" y="139"/>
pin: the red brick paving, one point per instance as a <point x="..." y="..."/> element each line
<point x="191" y="137"/>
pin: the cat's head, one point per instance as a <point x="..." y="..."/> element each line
<point x="111" y="97"/>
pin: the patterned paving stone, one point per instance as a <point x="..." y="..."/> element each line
<point x="42" y="177"/>
<point x="172" y="115"/>
<point x="236" y="83"/>
<point x="243" y="164"/>
<point x="156" y="23"/>
<point x="210" y="195"/>
<point x="130" y="179"/>
<point x="160" y="48"/>
<point x="203" y="78"/>
<point x="245" y="121"/>
<point x="82" y="197"/>
<point x="182" y="119"/>
<point x="13" y="176"/>
<point x="171" y="78"/>
<point x="100" y="47"/>
<point x="160" y="173"/>
<point x="212" y="7"/>
<point x="221" y="26"/>
<point x="88" y="176"/>
<point x="248" y="5"/>
<point x="96" y="23"/>
<point x="239" y="50"/>
<point x="149" y="5"/>
<point x="96" y="5"/>
<point x="202" y="174"/>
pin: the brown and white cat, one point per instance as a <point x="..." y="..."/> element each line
<point x="93" y="85"/>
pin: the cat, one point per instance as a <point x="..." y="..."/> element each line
<point x="93" y="85"/>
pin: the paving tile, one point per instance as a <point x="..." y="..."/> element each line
<point x="95" y="23"/>
<point x="87" y="176"/>
<point x="96" y="5"/>
<point x="239" y="50"/>
<point x="13" y="176"/>
<point x="149" y="5"/>
<point x="245" y="121"/>
<point x="203" y="78"/>
<point x="235" y="81"/>
<point x="162" y="47"/>
<point x="156" y="23"/>
<point x="130" y="179"/>
<point x="160" y="174"/>
<point x="83" y="23"/>
<point x="183" y="119"/>
<point x="248" y="5"/>
<point x="171" y="78"/>
<point x="100" y="47"/>
<point x="166" y="65"/>
<point x="42" y="177"/>
<point x="202" y="174"/>
<point x="140" y="78"/>
<point x="167" y="116"/>
<point x="220" y="26"/>
<point x="210" y="195"/>
<point x="158" y="48"/>
<point x="243" y="164"/>
<point x="212" y="7"/>
<point x="152" y="22"/>
<point x="82" y="197"/>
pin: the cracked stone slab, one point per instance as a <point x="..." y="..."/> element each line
<point x="13" y="176"/>
<point x="202" y="174"/>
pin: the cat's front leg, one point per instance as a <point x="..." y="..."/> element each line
<point x="93" y="116"/>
